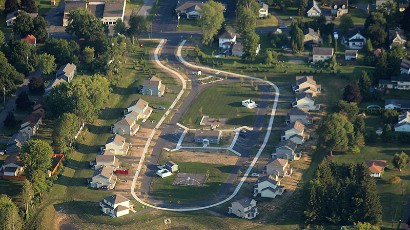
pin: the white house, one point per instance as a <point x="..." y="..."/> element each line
<point x="140" y="106"/>
<point x="397" y="104"/>
<point x="67" y="72"/>
<point x="295" y="132"/>
<point x="248" y="103"/>
<point x="164" y="173"/>
<point x="298" y="114"/>
<point x="11" y="17"/>
<point x="116" y="206"/>
<point x="268" y="186"/>
<point x="244" y="208"/>
<point x="351" y="55"/>
<point x="153" y="86"/>
<point x="376" y="167"/>
<point x="227" y="39"/>
<point x="405" y="66"/>
<point x="263" y="10"/>
<point x="106" y="160"/>
<point x="125" y="126"/>
<point x="322" y="54"/>
<point x="356" y="41"/>
<point x="12" y="166"/>
<point x="278" y="167"/>
<point x="103" y="178"/>
<point x="191" y="9"/>
<point x="314" y="10"/>
<point x="117" y="145"/>
<point x="30" y="124"/>
<point x="404" y="123"/>
<point x="306" y="84"/>
<point x="304" y="101"/>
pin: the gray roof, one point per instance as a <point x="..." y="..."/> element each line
<point x="322" y="51"/>
<point x="351" y="52"/>
<point x="227" y="35"/>
<point x="237" y="47"/>
<point x="303" y="79"/>
<point x="295" y="125"/>
<point x="15" y="14"/>
<point x="105" y="158"/>
<point x="311" y="32"/>
<point x="184" y="5"/>
<point x="118" y="139"/>
<point x="288" y="144"/>
<point x="278" y="163"/>
<point x="113" y="9"/>
<point x="170" y="164"/>
<point x="104" y="171"/>
<point x="66" y="69"/>
<point x="297" y="111"/>
<point x="116" y="199"/>
<point x="245" y="202"/>
<point x="303" y="95"/>
<point x="207" y="134"/>
<point x="140" y="103"/>
<point x="405" y="104"/>
<point x="74" y="5"/>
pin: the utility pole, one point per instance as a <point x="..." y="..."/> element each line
<point x="4" y="96"/>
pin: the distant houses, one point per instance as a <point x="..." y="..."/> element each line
<point x="263" y="10"/>
<point x="401" y="82"/>
<point x="403" y="124"/>
<point x="397" y="104"/>
<point x="306" y="84"/>
<point x="314" y="10"/>
<point x="268" y="186"/>
<point x="376" y="167"/>
<point x="339" y="7"/>
<point x="11" y="17"/>
<point x="189" y="9"/>
<point x="295" y="132"/>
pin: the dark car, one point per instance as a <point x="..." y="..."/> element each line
<point x="242" y="133"/>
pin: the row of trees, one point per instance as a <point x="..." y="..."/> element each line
<point x="25" y="25"/>
<point x="343" y="194"/>
<point x="26" y="5"/>
<point x="246" y="13"/>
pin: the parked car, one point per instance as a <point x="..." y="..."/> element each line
<point x="255" y="175"/>
<point x="283" y="27"/>
<point x="161" y="108"/>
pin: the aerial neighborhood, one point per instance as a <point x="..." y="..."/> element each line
<point x="187" y="114"/>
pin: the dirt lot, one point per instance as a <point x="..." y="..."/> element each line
<point x="202" y="157"/>
<point x="138" y="142"/>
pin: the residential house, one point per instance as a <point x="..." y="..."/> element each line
<point x="339" y="7"/>
<point x="250" y="104"/>
<point x="268" y="186"/>
<point x="67" y="72"/>
<point x="298" y="114"/>
<point x="263" y="10"/>
<point x="351" y="55"/>
<point x="15" y="143"/>
<point x="140" y="106"/>
<point x="278" y="167"/>
<point x="11" y="17"/>
<point x="117" y="145"/>
<point x="125" y="126"/>
<point x="38" y="109"/>
<point x="311" y="37"/>
<point x="244" y="208"/>
<point x="405" y="67"/>
<point x="107" y="11"/>
<point x="12" y="166"/>
<point x="314" y="10"/>
<point x="396" y="37"/>
<point x="207" y="136"/>
<point x="30" y="124"/>
<point x="357" y="41"/>
<point x="401" y="82"/>
<point x="31" y="39"/>
<point x="305" y="101"/>
<point x="287" y="150"/>
<point x="404" y="123"/>
<point x="171" y="166"/>
<point x="133" y="115"/>
<point x="295" y="132"/>
<point x="106" y="161"/>
<point x="397" y="104"/>
<point x="376" y="167"/>
<point x="386" y="84"/>
<point x="322" y="54"/>
<point x="54" y="83"/>
<point x="237" y="49"/>
<point x="164" y="173"/>
<point x="153" y="86"/>
<point x="227" y="39"/>
<point x="103" y="178"/>
<point x="306" y="84"/>
<point x="116" y="205"/>
<point x="190" y="9"/>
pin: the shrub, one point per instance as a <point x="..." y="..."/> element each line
<point x="394" y="180"/>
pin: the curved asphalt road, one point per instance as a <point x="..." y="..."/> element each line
<point x="269" y="129"/>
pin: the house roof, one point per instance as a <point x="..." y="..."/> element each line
<point x="170" y="164"/>
<point x="66" y="69"/>
<point x="104" y="171"/>
<point x="56" y="82"/>
<point x="193" y="8"/>
<point x="377" y="52"/>
<point x="152" y="81"/>
<point x="184" y="5"/>
<point x="287" y="144"/>
<point x="300" y="96"/>
<point x="376" y="166"/>
<point x="339" y="3"/>
<point x="405" y="117"/>
<point x="245" y="202"/>
<point x="237" y="47"/>
<point x="125" y="121"/>
<point x="303" y="79"/>
<point x="120" y="208"/>
<point x="207" y="134"/>
<point x="33" y="119"/>
<point x="315" y="7"/>
<point x="118" y="139"/>
<point x="12" y="159"/>
<point x="311" y="32"/>
<point x="227" y="35"/>
<point x="116" y="199"/>
<point x="19" y="139"/>
<point x="405" y="104"/>
<point x="30" y="39"/>
<point x="297" y="111"/>
<point x="105" y="158"/>
<point x="15" y="14"/>
<point x="264" y="6"/>
<point x="269" y="178"/>
<point x="296" y="125"/>
<point x="322" y="51"/>
<point x="278" y="163"/>
<point x="74" y="5"/>
<point x="351" y="52"/>
<point x="140" y="103"/>
<point x="113" y="9"/>
<point x="405" y="64"/>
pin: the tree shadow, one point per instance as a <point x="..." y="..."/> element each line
<point x="111" y="113"/>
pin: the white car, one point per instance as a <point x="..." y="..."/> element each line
<point x="255" y="175"/>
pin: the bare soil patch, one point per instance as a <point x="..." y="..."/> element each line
<point x="190" y="179"/>
<point x="224" y="157"/>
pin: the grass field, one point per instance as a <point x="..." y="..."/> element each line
<point x="223" y="101"/>
<point x="188" y="25"/>
<point x="163" y="189"/>
<point x="269" y="21"/>
<point x="358" y="16"/>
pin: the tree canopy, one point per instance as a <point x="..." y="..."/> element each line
<point x="211" y="20"/>
<point x="138" y="26"/>
<point x="66" y="128"/>
<point x="23" y="24"/>
<point x="351" y="93"/>
<point x="36" y="155"/>
<point x="10" y="6"/>
<point x="250" y="46"/>
<point x="375" y="28"/>
<point x="9" y="216"/>
<point x="22" y="56"/>
<point x="400" y="160"/>
<point x="63" y="51"/>
<point x="46" y="63"/>
<point x="336" y="132"/>
<point x="9" y="77"/>
<point x="346" y="24"/>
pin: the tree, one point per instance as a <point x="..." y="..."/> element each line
<point x="9" y="77"/>
<point x="46" y="63"/>
<point x="350" y="109"/>
<point x="39" y="28"/>
<point x="2" y="39"/>
<point x="10" y="120"/>
<point x="120" y="27"/>
<point x="23" y="25"/>
<point x="27" y="195"/>
<point x="394" y="57"/>
<point x="66" y="128"/>
<point x="29" y="6"/>
<point x="22" y="101"/>
<point x="88" y="54"/>
<point x="400" y="160"/>
<point x="22" y="55"/>
<point x="63" y="51"/>
<point x="404" y="21"/>
<point x="250" y="46"/>
<point x="381" y="70"/>
<point x="352" y="94"/>
<point x="389" y="116"/>
<point x="335" y="132"/>
<point x="271" y="57"/>
<point x="375" y="28"/>
<point x="297" y="38"/>
<point x="211" y="20"/>
<point x="246" y="20"/>
<point x="9" y="216"/>
<point x="365" y="226"/>
<point x="364" y="85"/>
<point x="346" y="24"/>
<point x="36" y="156"/>
<point x="278" y="40"/>
<point x="36" y="85"/>
<point x="10" y="6"/>
<point x="138" y="26"/>
<point x="84" y="25"/>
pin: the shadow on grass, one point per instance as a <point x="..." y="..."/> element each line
<point x="83" y="148"/>
<point x="245" y="120"/>
<point x="111" y="113"/>
<point x="71" y="181"/>
<point x="98" y="129"/>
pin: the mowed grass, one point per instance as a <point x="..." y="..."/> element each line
<point x="269" y="21"/>
<point x="188" y="25"/>
<point x="163" y="189"/>
<point x="223" y="101"/>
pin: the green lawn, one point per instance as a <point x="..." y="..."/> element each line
<point x="11" y="188"/>
<point x="358" y="16"/>
<point x="188" y="25"/>
<point x="163" y="189"/>
<point x="223" y="101"/>
<point x="269" y="21"/>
